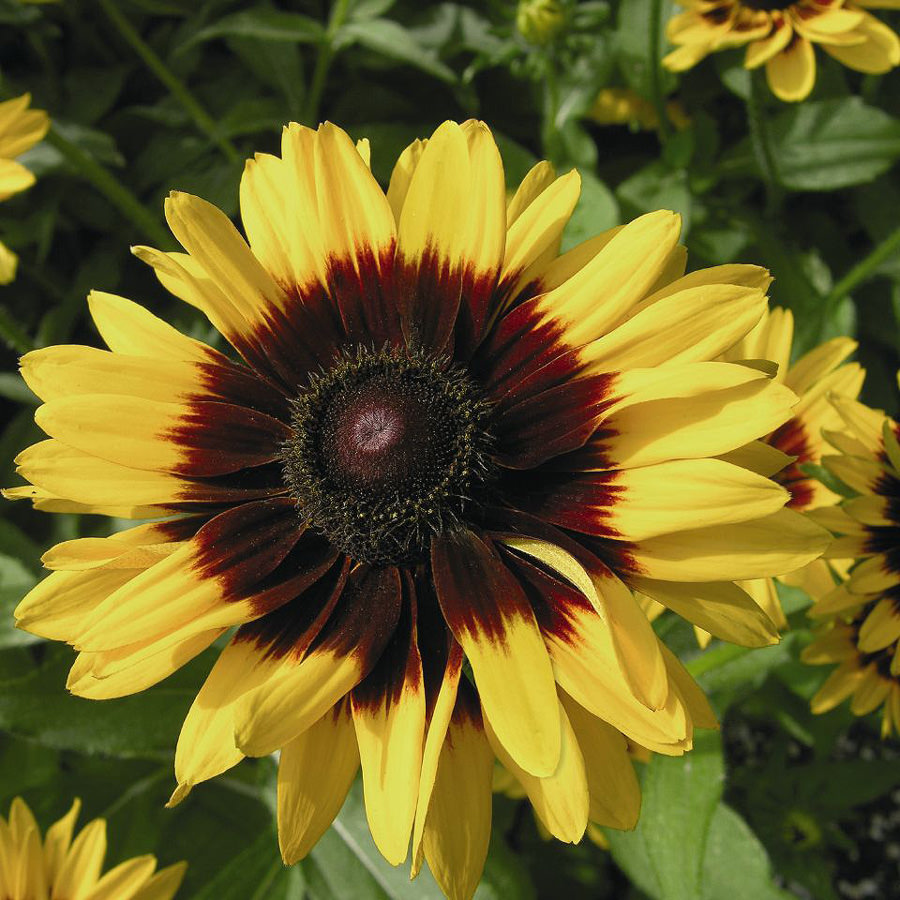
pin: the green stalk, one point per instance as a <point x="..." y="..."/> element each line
<point x="175" y="85"/>
<point x="762" y="145"/>
<point x="323" y="61"/>
<point x="864" y="269"/>
<point x="12" y="335"/>
<point x="655" y="63"/>
<point x="111" y="188"/>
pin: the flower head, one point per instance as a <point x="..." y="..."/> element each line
<point x="20" y="129"/>
<point x="422" y="495"/>
<point x="62" y="868"/>
<point x="860" y="617"/>
<point x="623" y="106"/>
<point x="539" y="21"/>
<point x="780" y="35"/>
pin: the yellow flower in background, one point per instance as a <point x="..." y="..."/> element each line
<point x="20" y="129"/>
<point x="623" y="106"/>
<point x="781" y="35"/>
<point x="814" y="378"/>
<point x="65" y="866"/>
<point x="861" y="616"/>
<point x="539" y="21"/>
<point x="441" y="448"/>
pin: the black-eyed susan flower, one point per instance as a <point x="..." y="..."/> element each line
<point x="419" y="494"/>
<point x="815" y="378"/>
<point x="20" y="129"/>
<point x="860" y="617"/>
<point x="623" y="106"/>
<point x="66" y="866"/>
<point x="780" y="35"/>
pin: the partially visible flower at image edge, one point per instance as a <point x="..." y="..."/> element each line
<point x="423" y="496"/>
<point x="781" y="36"/>
<point x="20" y="129"/>
<point x="64" y="866"/>
<point x="816" y="377"/>
<point x="860" y="617"/>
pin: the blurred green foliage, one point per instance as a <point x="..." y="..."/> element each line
<point x="151" y="95"/>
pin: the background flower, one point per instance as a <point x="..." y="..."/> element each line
<point x="64" y="864"/>
<point x="781" y="36"/>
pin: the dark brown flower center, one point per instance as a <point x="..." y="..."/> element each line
<point x="768" y="5"/>
<point x="388" y="448"/>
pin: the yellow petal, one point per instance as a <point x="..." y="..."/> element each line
<point x="721" y="608"/>
<point x="771" y="545"/>
<point x="458" y="825"/>
<point x="695" y="493"/>
<point x="490" y="616"/>
<point x="123" y="880"/>
<point x="82" y="866"/>
<point x="314" y="774"/>
<point x="401" y="176"/>
<point x="118" y="673"/>
<point x="692" y="325"/>
<point x="389" y="717"/>
<point x="128" y="328"/>
<point x="792" y="72"/>
<point x="163" y="885"/>
<point x="615" y="794"/>
<point x="58" y="840"/>
<point x="561" y="800"/>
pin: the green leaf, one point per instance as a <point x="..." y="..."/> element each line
<point x="735" y="863"/>
<point x="664" y="855"/>
<point x="255" y="874"/>
<point x="15" y="581"/>
<point x="263" y="24"/>
<point x="36" y="705"/>
<point x="657" y="186"/>
<point x="632" y="45"/>
<point x="392" y="40"/>
<point x="597" y="210"/>
<point x="827" y="145"/>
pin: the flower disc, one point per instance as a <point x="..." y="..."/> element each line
<point x="385" y="452"/>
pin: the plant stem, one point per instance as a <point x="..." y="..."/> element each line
<point x="762" y="146"/>
<point x="12" y="335"/>
<point x="323" y="61"/>
<point x="864" y="269"/>
<point x="113" y="189"/>
<point x="175" y="85"/>
<point x="654" y="61"/>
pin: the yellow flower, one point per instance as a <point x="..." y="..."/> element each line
<point x="445" y="443"/>
<point x="20" y="129"/>
<point x="623" y="106"/>
<point x="814" y="377"/>
<point x="780" y="35"/>
<point x="60" y="868"/>
<point x="861" y="616"/>
<point x="539" y="21"/>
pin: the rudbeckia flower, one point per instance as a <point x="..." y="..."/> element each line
<point x="860" y="627"/>
<point x="420" y="494"/>
<point x="623" y="106"/>
<point x="815" y="377"/>
<point x="780" y="35"/>
<point x="20" y="129"/>
<point x="62" y="868"/>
